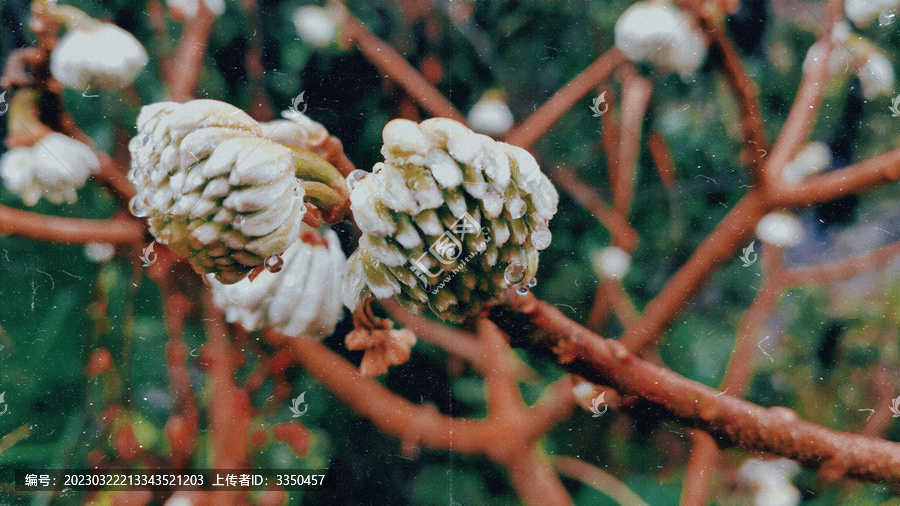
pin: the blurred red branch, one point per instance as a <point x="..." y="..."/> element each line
<point x="636" y="93"/>
<point x="184" y="71"/>
<point x="597" y="478"/>
<point x="802" y="116"/>
<point x="623" y="235"/>
<point x="423" y="425"/>
<point x="393" y="65"/>
<point x="116" y="230"/>
<point x="550" y="111"/>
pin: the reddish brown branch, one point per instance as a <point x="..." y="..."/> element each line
<point x="623" y="235"/>
<point x="597" y="478"/>
<point x="187" y="66"/>
<point x="69" y="230"/>
<point x="700" y="467"/>
<point x="730" y="420"/>
<point x="393" y="65"/>
<point x="802" y="115"/>
<point x="865" y="175"/>
<point x="755" y="144"/>
<point x="636" y="92"/>
<point x="716" y="248"/>
<point x="550" y="111"/>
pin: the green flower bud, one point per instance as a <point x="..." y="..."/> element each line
<point x="220" y="193"/>
<point x="450" y="219"/>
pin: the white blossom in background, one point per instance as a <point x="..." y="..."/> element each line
<point x="780" y="229"/>
<point x="303" y="299"/>
<point x="611" y="262"/>
<point x="770" y="481"/>
<point x="853" y="53"/>
<point x="877" y="76"/>
<point x="189" y="8"/>
<point x="319" y="26"/>
<point x="863" y="12"/>
<point x="217" y="192"/>
<point x="491" y="114"/>
<point x="658" y="32"/>
<point x="434" y="174"/>
<point x="99" y="252"/>
<point x="55" y="167"/>
<point x="813" y="158"/>
<point x="95" y="53"/>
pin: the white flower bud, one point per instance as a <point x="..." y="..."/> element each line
<point x="189" y="8"/>
<point x="96" y="53"/>
<point x="298" y="130"/>
<point x="318" y="26"/>
<point x="99" y="252"/>
<point x="814" y="157"/>
<point x="863" y="12"/>
<point x="611" y="262"/>
<point x="780" y="229"/>
<point x="877" y="76"/>
<point x="55" y="167"/>
<point x="491" y="114"/>
<point x="658" y="32"/>
<point x="456" y="211"/>
<point x="219" y="193"/>
<point x="771" y="481"/>
<point x="303" y="299"/>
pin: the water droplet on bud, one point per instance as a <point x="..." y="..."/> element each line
<point x="136" y="207"/>
<point x="532" y="283"/>
<point x="274" y="263"/>
<point x="886" y="18"/>
<point x="355" y="177"/>
<point x="522" y="290"/>
<point x="514" y="273"/>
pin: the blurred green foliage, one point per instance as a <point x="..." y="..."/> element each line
<point x="57" y="306"/>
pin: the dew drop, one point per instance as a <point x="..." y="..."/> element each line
<point x="239" y="219"/>
<point x="522" y="290"/>
<point x="274" y="263"/>
<point x="532" y="282"/>
<point x="355" y="177"/>
<point x="886" y="18"/>
<point x="145" y="140"/>
<point x="514" y="273"/>
<point x="136" y="207"/>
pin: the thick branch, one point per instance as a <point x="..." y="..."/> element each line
<point x="729" y="420"/>
<point x="69" y="230"/>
